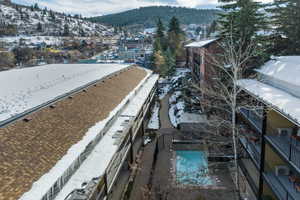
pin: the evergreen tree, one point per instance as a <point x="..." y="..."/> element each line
<point x="175" y="38"/>
<point x="160" y="32"/>
<point x="241" y="20"/>
<point x="174" y="26"/>
<point x="160" y="35"/>
<point x="66" y="30"/>
<point x="36" y="6"/>
<point x="39" y="27"/>
<point x="170" y="61"/>
<point x="286" y="19"/>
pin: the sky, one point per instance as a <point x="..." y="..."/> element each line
<point x="102" y="7"/>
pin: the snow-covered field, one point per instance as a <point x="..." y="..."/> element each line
<point x="24" y="89"/>
<point x="154" y="120"/>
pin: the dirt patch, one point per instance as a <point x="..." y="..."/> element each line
<point x="30" y="149"/>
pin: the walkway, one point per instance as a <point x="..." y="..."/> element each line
<point x="143" y="179"/>
<point x="164" y="113"/>
<point x="158" y="180"/>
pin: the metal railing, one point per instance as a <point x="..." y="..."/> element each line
<point x="255" y="120"/>
<point x="289" y="147"/>
<point x="252" y="183"/>
<point x="281" y="190"/>
<point x="253" y="149"/>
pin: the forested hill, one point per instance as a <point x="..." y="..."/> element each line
<point x="148" y="16"/>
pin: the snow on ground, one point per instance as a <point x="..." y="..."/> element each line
<point x="176" y="108"/>
<point x="24" y="89"/>
<point x="169" y="83"/>
<point x="154" y="120"/>
<point x="164" y="91"/>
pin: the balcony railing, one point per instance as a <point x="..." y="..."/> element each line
<point x="281" y="186"/>
<point x="255" y="120"/>
<point x="251" y="174"/>
<point x="288" y="147"/>
<point x="253" y="150"/>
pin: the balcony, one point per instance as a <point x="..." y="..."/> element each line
<point x="282" y="187"/>
<point x="288" y="147"/>
<point x="251" y="173"/>
<point x="253" y="149"/>
<point x="255" y="121"/>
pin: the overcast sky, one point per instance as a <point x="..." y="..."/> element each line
<point x="102" y="7"/>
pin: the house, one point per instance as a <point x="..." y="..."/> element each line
<point x="270" y="157"/>
<point x="198" y="58"/>
<point x="70" y="131"/>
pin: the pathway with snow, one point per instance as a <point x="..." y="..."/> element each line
<point x="164" y="113"/>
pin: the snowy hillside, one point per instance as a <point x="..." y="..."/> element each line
<point x="30" y="21"/>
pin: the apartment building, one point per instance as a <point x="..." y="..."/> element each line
<point x="270" y="139"/>
<point x="199" y="58"/>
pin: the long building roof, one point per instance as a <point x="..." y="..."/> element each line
<point x="278" y="85"/>
<point x="24" y="89"/>
<point x="30" y="148"/>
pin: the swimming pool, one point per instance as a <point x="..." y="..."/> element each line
<point x="192" y="168"/>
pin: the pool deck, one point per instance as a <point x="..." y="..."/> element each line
<point x="155" y="180"/>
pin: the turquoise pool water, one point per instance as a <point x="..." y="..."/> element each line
<point x="192" y="168"/>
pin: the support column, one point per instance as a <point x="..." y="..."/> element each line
<point x="105" y="184"/>
<point x="262" y="154"/>
<point x="131" y="147"/>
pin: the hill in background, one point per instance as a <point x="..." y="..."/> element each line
<point x="24" y="20"/>
<point x="147" y="16"/>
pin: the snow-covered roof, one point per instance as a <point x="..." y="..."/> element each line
<point x="27" y="88"/>
<point x="278" y="85"/>
<point x="96" y="164"/>
<point x="43" y="148"/>
<point x="201" y="43"/>
<point x="282" y="101"/>
<point x="284" y="68"/>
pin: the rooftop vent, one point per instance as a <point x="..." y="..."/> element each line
<point x="52" y="106"/>
<point x="28" y="119"/>
<point x="70" y="97"/>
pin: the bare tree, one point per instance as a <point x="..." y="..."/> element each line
<point x="221" y="93"/>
